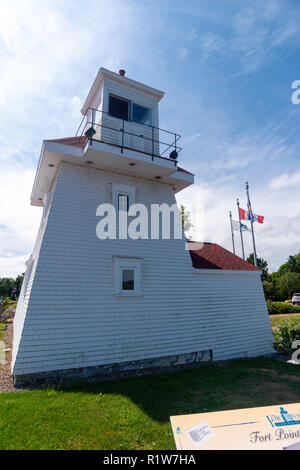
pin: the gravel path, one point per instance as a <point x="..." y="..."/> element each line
<point x="6" y="380"/>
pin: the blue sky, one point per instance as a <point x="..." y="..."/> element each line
<point x="227" y="69"/>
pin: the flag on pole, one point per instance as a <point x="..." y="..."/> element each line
<point x="246" y="215"/>
<point x="236" y="226"/>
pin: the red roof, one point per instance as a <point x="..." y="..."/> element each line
<point x="78" y="141"/>
<point x="214" y="256"/>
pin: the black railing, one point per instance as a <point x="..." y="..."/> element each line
<point x="128" y="134"/>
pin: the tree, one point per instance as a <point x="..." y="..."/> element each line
<point x="262" y="264"/>
<point x="6" y="286"/>
<point x="289" y="283"/>
<point x="292" y="265"/>
<point x="18" y="283"/>
<point x="269" y="290"/>
<point x="185" y="219"/>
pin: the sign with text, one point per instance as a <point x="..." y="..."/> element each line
<point x="268" y="427"/>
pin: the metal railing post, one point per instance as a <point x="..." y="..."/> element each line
<point x="154" y="137"/>
<point x="152" y="143"/>
<point x="122" y="130"/>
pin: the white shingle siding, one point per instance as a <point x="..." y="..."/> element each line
<point x="71" y="317"/>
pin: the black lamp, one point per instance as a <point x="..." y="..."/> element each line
<point x="90" y="132"/>
<point x="173" y="155"/>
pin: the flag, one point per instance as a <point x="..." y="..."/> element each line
<point x="236" y="226"/>
<point x="246" y="215"/>
<point x="255" y="218"/>
<point x="258" y="218"/>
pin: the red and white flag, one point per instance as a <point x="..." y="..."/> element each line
<point x="246" y="215"/>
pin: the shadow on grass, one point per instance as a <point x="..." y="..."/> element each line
<point x="239" y="384"/>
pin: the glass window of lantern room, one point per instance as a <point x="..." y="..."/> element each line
<point x="141" y="114"/>
<point x="119" y="107"/>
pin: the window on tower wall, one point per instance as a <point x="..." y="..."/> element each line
<point x="123" y="197"/>
<point x="123" y="202"/>
<point x="127" y="279"/>
<point x="127" y="276"/>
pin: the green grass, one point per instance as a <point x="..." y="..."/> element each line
<point x="277" y="319"/>
<point x="134" y="413"/>
<point x="1" y="330"/>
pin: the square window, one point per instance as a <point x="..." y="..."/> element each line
<point x="127" y="279"/>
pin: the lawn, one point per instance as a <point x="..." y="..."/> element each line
<point x="276" y="319"/>
<point x="134" y="413"/>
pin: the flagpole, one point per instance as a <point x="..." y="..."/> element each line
<point x="251" y="220"/>
<point x="232" y="234"/>
<point x="238" y="205"/>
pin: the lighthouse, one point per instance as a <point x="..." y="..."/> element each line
<point x="110" y="285"/>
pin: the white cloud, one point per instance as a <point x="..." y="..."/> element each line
<point x="18" y="221"/>
<point x="251" y="40"/>
<point x="182" y="53"/>
<point x="286" y="180"/>
<point x="210" y="204"/>
<point x="12" y="266"/>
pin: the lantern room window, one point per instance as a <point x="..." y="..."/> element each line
<point x="141" y="114"/>
<point x="119" y="108"/>
<point x="124" y="109"/>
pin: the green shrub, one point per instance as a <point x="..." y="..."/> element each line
<point x="275" y="308"/>
<point x="287" y="332"/>
<point x="5" y="304"/>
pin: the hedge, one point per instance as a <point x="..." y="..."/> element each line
<point x="280" y="307"/>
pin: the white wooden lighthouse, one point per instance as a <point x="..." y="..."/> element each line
<point x="94" y="306"/>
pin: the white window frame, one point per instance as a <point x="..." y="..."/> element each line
<point x="124" y="190"/>
<point x="134" y="264"/>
